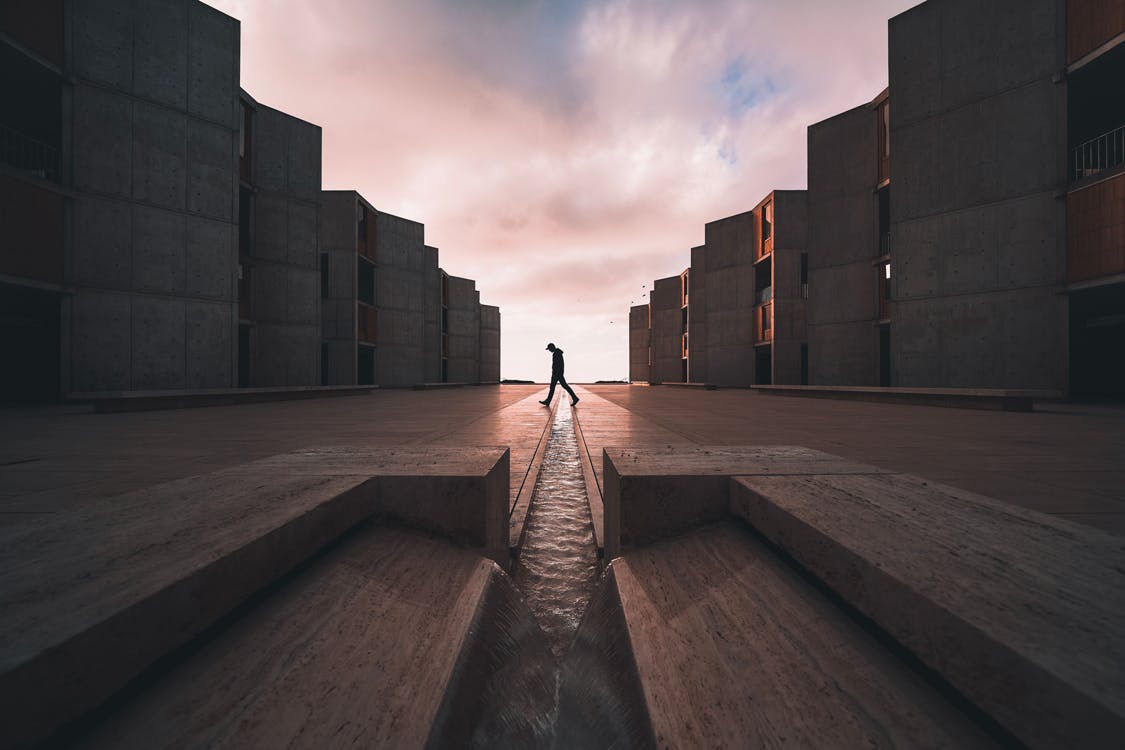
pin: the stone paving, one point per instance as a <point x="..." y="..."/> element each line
<point x="1064" y="459"/>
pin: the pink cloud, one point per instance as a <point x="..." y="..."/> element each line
<point x="564" y="153"/>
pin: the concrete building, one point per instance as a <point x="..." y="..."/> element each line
<point x="392" y="317"/>
<point x="278" y="290"/>
<point x="849" y="261"/>
<point x="489" y="344"/>
<point x="668" y="305"/>
<point x="640" y="349"/>
<point x="736" y="316"/>
<point x="1007" y="223"/>
<point x="120" y="132"/>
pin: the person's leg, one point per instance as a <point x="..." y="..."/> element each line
<point x="551" y="393"/>
<point x="566" y="386"/>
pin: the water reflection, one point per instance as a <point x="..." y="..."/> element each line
<point x="557" y="569"/>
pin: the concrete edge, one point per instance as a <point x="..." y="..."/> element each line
<point x="134" y="401"/>
<point x="517" y="518"/>
<point x="594" y="499"/>
<point x="67" y="680"/>
<point x="949" y="398"/>
<point x="1017" y="690"/>
<point x="71" y="678"/>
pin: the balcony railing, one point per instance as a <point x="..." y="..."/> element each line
<point x="23" y="152"/>
<point x="763" y="324"/>
<point x="1097" y="154"/>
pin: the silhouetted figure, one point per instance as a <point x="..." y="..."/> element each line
<point x="557" y="376"/>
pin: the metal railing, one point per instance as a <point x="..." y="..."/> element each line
<point x="1097" y="154"/>
<point x="23" y="152"/>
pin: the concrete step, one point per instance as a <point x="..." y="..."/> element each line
<point x="131" y="401"/>
<point x="93" y="597"/>
<point x="991" y="399"/>
<point x="391" y="639"/>
<point x="1019" y="611"/>
<point x="709" y="640"/>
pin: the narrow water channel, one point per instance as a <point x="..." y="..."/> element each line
<point x="557" y="569"/>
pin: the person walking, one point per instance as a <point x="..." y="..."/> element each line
<point x="557" y="376"/>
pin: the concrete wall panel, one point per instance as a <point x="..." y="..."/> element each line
<point x="160" y="51"/>
<point x="103" y="243"/>
<point x="209" y="361"/>
<point x="270" y="292"/>
<point x="843" y="353"/>
<point x="210" y="254"/>
<point x="159" y="156"/>
<point x="302" y="249"/>
<point x="304" y="160"/>
<point x="213" y="64"/>
<point x="159" y="346"/>
<point x="103" y="149"/>
<point x="271" y="150"/>
<point x="159" y="241"/>
<point x="212" y="170"/>
<point x="103" y="42"/>
<point x="303" y="295"/>
<point x="271" y="227"/>
<point x="101" y="337"/>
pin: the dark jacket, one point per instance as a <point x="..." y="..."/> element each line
<point x="557" y="362"/>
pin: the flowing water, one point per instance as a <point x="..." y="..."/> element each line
<point x="557" y="569"/>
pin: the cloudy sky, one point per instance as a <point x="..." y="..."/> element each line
<point x="564" y="153"/>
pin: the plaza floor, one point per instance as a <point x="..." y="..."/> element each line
<point x="1064" y="459"/>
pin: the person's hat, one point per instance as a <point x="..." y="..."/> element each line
<point x="550" y="346"/>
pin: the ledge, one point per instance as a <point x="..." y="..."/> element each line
<point x="127" y="401"/>
<point x="959" y="398"/>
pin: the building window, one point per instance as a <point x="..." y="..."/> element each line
<point x="683" y="320"/>
<point x="804" y="275"/>
<point x="767" y="223"/>
<point x="883" y="126"/>
<point x="885" y="290"/>
<point x="245" y="222"/>
<point x="684" y="283"/>
<point x="245" y="139"/>
<point x="324" y="275"/>
<point x="365" y="281"/>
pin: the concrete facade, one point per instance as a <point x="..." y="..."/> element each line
<point x="977" y="230"/>
<point x="666" y="303"/>
<point x="464" y="364"/>
<point x="400" y="301"/>
<point x="489" y="344"/>
<point x="152" y="257"/>
<point x="722" y="303"/>
<point x="283" y="260"/>
<point x="843" y="246"/>
<point x="639" y="344"/>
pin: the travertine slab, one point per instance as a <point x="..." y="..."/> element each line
<point x="653" y="492"/>
<point x="723" y="645"/>
<point x="392" y="639"/>
<point x="92" y="597"/>
<point x="1021" y="612"/>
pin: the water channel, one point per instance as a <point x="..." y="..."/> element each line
<point x="557" y="569"/>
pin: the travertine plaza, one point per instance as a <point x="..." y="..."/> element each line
<point x="381" y="546"/>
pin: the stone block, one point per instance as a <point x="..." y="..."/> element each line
<point x="160" y="52"/>
<point x="210" y="354"/>
<point x="988" y="595"/>
<point x="654" y="492"/>
<point x="103" y="146"/>
<point x="159" y="346"/>
<point x="159" y="242"/>
<point x="211" y="259"/>
<point x="103" y="243"/>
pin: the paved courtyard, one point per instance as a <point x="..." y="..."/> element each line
<point x="1063" y="459"/>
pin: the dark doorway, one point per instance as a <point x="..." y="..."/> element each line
<point x="885" y="355"/>
<point x="243" y="356"/>
<point x="365" y="365"/>
<point x="29" y="340"/>
<point x="763" y="366"/>
<point x="1097" y="343"/>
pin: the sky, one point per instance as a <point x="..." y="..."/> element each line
<point x="564" y="153"/>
